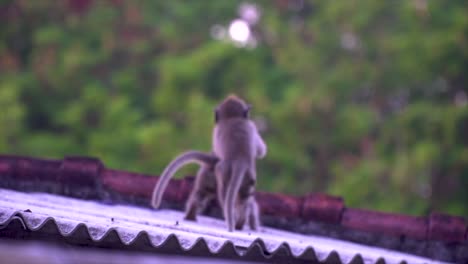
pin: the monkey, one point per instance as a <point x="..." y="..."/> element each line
<point x="246" y="207"/>
<point x="237" y="144"/>
<point x="204" y="189"/>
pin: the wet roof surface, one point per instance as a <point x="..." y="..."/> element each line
<point x="142" y="228"/>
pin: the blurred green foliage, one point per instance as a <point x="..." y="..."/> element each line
<point x="362" y="99"/>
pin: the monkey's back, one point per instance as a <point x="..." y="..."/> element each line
<point x="233" y="139"/>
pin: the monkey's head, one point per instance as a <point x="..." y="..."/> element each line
<point x="232" y="107"/>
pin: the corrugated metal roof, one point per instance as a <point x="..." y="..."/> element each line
<point x="88" y="178"/>
<point x="140" y="227"/>
<point x="40" y="252"/>
<point x="435" y="236"/>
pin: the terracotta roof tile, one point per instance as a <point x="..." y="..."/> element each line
<point x="390" y="224"/>
<point x="279" y="204"/>
<point x="322" y="207"/>
<point x="82" y="171"/>
<point x="447" y="228"/>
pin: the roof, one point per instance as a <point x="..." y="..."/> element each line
<point x="76" y="219"/>
<point x="38" y="252"/>
<point x="437" y="236"/>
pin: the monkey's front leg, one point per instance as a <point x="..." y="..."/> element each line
<point x="253" y="214"/>
<point x="202" y="192"/>
<point x="249" y="211"/>
<point x="240" y="214"/>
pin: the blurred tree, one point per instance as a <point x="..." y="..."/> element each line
<point x="363" y="99"/>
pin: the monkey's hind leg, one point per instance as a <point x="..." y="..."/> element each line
<point x="222" y="172"/>
<point x="238" y="171"/>
<point x="253" y="214"/>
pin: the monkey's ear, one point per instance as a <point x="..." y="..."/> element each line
<point x="247" y="111"/>
<point x="216" y="115"/>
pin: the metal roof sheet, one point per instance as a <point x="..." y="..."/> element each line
<point x="134" y="226"/>
<point x="88" y="178"/>
<point x="40" y="252"/>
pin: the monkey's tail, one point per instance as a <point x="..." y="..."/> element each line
<point x="181" y="160"/>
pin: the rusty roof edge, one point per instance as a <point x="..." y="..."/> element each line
<point x="86" y="177"/>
